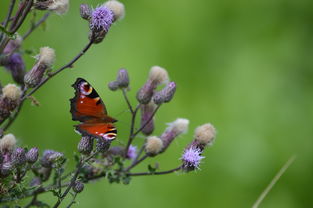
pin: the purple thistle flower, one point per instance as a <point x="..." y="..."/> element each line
<point x="101" y="19"/>
<point x="191" y="158"/>
<point x="132" y="152"/>
<point x="32" y="155"/>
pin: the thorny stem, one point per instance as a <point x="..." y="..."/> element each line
<point x="127" y="101"/>
<point x="32" y="202"/>
<point x="132" y="127"/>
<point x="72" y="182"/>
<point x="73" y="201"/>
<point x="11" y="7"/>
<point x="155" y="173"/>
<point x="36" y="25"/>
<point x="136" y="163"/>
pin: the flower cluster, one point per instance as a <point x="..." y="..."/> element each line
<point x="23" y="173"/>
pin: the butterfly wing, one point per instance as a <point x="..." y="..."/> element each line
<point x="87" y="104"/>
<point x="100" y="130"/>
<point x="88" y="108"/>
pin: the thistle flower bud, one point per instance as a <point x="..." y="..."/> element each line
<point x="153" y="145"/>
<point x="32" y="155"/>
<point x="158" y="75"/>
<point x="205" y="134"/>
<point x="103" y="144"/>
<point x="145" y="93"/>
<point x="6" y="169"/>
<point x="165" y="95"/>
<point x="85" y="11"/>
<point x="7" y="143"/>
<point x="13" y="45"/>
<point x="132" y="152"/>
<point x="58" y="6"/>
<point x="49" y="157"/>
<point x="78" y="187"/>
<point x="44" y="61"/>
<point x="12" y="92"/>
<point x="113" y="85"/>
<point x="19" y="156"/>
<point x="117" y="8"/>
<point x="36" y="181"/>
<point x="85" y="145"/>
<point x="174" y="129"/>
<point x="16" y="66"/>
<point x="122" y="78"/>
<point x="191" y="158"/>
<point x="146" y="113"/>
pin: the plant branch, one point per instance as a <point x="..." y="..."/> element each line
<point x="7" y="20"/>
<point x="127" y="101"/>
<point x="132" y="127"/>
<point x="155" y="173"/>
<point x="36" y="25"/>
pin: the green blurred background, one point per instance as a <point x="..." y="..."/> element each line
<point x="245" y="66"/>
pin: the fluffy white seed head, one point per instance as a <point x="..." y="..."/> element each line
<point x="7" y="143"/>
<point x="179" y="126"/>
<point x="205" y="134"/>
<point x="46" y="56"/>
<point x="153" y="145"/>
<point x="12" y="92"/>
<point x="59" y="6"/>
<point x="117" y="8"/>
<point x="158" y="75"/>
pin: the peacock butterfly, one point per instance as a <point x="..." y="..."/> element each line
<point x="88" y="108"/>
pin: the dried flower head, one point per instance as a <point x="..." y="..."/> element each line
<point x="117" y="8"/>
<point x="145" y="93"/>
<point x="59" y="6"/>
<point x="174" y="129"/>
<point x="158" y="75"/>
<point x="85" y="145"/>
<point x="46" y="56"/>
<point x="132" y="152"/>
<point x="32" y="155"/>
<point x="85" y="11"/>
<point x="191" y="158"/>
<point x="205" y="134"/>
<point x="153" y="145"/>
<point x="7" y="143"/>
<point x="12" y="92"/>
<point x="101" y="19"/>
<point x="19" y="156"/>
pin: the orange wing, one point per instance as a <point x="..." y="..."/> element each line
<point x="102" y="130"/>
<point x="87" y="104"/>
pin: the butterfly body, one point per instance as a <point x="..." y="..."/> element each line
<point x="88" y="108"/>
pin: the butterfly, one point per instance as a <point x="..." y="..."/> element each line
<point x="88" y="108"/>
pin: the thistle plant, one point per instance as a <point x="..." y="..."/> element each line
<point x="30" y="172"/>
